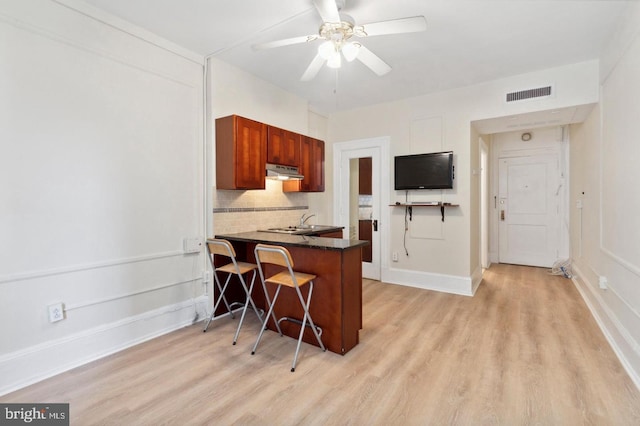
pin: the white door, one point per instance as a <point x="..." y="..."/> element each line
<point x="528" y="210"/>
<point x="343" y="153"/>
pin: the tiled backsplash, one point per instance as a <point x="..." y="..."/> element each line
<point x="365" y="207"/>
<point x="242" y="211"/>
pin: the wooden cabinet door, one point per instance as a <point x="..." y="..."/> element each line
<point x="283" y="147"/>
<point x="311" y="167"/>
<point x="251" y="147"/>
<point x="306" y="166"/>
<point x="241" y="153"/>
<point x="317" y="165"/>
<point x="365" y="232"/>
<point x="364" y="178"/>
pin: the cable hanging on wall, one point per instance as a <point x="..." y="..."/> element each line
<point x="407" y="211"/>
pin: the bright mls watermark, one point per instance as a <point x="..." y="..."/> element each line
<point x="34" y="414"/>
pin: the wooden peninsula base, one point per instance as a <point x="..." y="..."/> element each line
<point x="336" y="304"/>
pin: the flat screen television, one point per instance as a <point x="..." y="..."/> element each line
<point x="424" y="171"/>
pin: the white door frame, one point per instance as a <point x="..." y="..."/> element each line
<point x="484" y="204"/>
<point x="378" y="149"/>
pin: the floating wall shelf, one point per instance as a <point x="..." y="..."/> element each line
<point x="409" y="206"/>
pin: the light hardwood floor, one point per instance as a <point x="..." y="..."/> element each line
<point x="523" y="350"/>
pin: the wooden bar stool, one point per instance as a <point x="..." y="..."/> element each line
<point x="224" y="248"/>
<point x="280" y="256"/>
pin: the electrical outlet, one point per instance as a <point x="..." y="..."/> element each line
<point x="56" y="312"/>
<point x="394" y="256"/>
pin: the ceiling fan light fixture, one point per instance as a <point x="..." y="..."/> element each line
<point x="337" y="29"/>
<point x="335" y="61"/>
<point x="351" y="50"/>
<point x="327" y="50"/>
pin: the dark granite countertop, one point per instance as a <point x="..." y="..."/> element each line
<point x="294" y="240"/>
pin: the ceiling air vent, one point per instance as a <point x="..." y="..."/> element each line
<point x="529" y="94"/>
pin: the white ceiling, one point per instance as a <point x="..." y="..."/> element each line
<point x="466" y="42"/>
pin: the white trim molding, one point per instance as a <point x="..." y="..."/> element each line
<point x="476" y="279"/>
<point x="130" y="29"/>
<point x="87" y="267"/>
<point x="464" y="286"/>
<point x="623" y="344"/>
<point x="57" y="356"/>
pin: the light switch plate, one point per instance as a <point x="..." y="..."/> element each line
<point x="192" y="245"/>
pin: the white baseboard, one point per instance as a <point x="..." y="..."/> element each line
<point x="476" y="279"/>
<point x="428" y="281"/>
<point x="27" y="366"/>
<point x="619" y="338"/>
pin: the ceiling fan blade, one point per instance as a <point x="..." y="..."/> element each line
<point x="313" y="68"/>
<point x="372" y="60"/>
<point x="328" y="10"/>
<point x="285" y="42"/>
<point x="396" y="26"/>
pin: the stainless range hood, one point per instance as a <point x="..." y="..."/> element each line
<point x="280" y="172"/>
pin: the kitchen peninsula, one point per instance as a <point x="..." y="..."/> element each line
<point x="336" y="305"/>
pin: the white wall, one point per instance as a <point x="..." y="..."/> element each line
<point x="101" y="179"/>
<point x="234" y="91"/>
<point x="604" y="173"/>
<point x="441" y="255"/>
<point x="318" y="128"/>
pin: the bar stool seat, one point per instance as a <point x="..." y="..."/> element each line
<point x="224" y="248"/>
<point x="280" y="256"/>
<point x="243" y="268"/>
<point x="286" y="279"/>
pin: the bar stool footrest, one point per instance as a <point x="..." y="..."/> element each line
<point x="297" y="321"/>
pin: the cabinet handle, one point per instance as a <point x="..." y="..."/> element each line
<point x="502" y="215"/>
<point x="375" y="225"/>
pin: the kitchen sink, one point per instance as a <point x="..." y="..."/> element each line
<point x="315" y="227"/>
<point x="298" y="230"/>
<point x="286" y="230"/>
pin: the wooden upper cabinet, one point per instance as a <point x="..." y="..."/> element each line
<point x="311" y="167"/>
<point x="283" y="147"/>
<point x="317" y="165"/>
<point x="241" y="153"/>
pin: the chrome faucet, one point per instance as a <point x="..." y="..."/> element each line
<point x="303" y="219"/>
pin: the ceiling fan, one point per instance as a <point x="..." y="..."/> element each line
<point x="337" y="30"/>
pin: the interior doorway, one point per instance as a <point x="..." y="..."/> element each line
<point x="518" y="238"/>
<point x="360" y="213"/>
